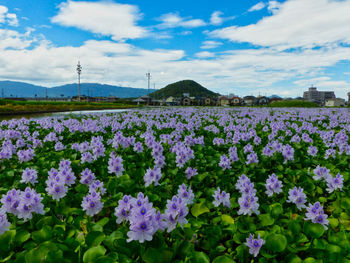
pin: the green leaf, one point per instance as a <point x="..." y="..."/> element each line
<point x="43" y="234"/>
<point x="266" y="220"/>
<point x="276" y="210"/>
<point x="276" y="242"/>
<point x="292" y="258"/>
<point x="94" y="238"/>
<point x="313" y="230"/>
<point x="199" y="257"/>
<point x="199" y="208"/>
<point x="226" y="219"/>
<point x="92" y="254"/>
<point x="345" y="203"/>
<point x="153" y="255"/>
<point x="103" y="221"/>
<point x="6" y="240"/>
<point x="223" y="259"/>
<point x="22" y="236"/>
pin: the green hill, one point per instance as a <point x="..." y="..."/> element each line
<point x="184" y="86"/>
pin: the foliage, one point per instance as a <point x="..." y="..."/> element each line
<point x="293" y="103"/>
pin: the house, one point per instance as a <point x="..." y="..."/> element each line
<point x="139" y="101"/>
<point x="275" y="99"/>
<point x="337" y="102"/>
<point x="235" y="101"/>
<point x="199" y="101"/>
<point x="319" y="97"/>
<point x="171" y="101"/>
<point x="262" y="100"/>
<point x="208" y="101"/>
<point x="186" y="101"/>
<point x="348" y="97"/>
<point x="249" y="100"/>
<point x="224" y="101"/>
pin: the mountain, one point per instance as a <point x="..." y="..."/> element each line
<point x="22" y="89"/>
<point x="184" y="86"/>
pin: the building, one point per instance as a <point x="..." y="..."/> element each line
<point x="262" y="100"/>
<point x="186" y="101"/>
<point x="337" y="102"/>
<point x="224" y="101"/>
<point x="171" y="101"/>
<point x="235" y="101"/>
<point x="249" y="100"/>
<point x="319" y="97"/>
<point x="348" y="97"/>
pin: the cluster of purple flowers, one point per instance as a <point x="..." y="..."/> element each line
<point x="316" y="214"/>
<point x="115" y="165"/>
<point x="59" y="180"/>
<point x="22" y="203"/>
<point x="333" y="183"/>
<point x="29" y="176"/>
<point x="152" y="176"/>
<point x="25" y="155"/>
<point x="273" y="185"/>
<point x="4" y="223"/>
<point x="297" y="196"/>
<point x="248" y="201"/>
<point x="221" y="198"/>
<point x="225" y="162"/>
<point x="190" y="172"/>
<point x="183" y="154"/>
<point x="92" y="203"/>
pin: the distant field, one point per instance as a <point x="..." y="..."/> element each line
<point x="14" y="107"/>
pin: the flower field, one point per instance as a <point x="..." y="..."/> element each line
<point x="177" y="185"/>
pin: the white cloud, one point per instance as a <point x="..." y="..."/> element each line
<point x="105" y="18"/>
<point x="296" y="23"/>
<point x="7" y="18"/>
<point x="216" y="18"/>
<point x="210" y="44"/>
<point x="172" y="20"/>
<point x="205" y="54"/>
<point x="257" y="7"/>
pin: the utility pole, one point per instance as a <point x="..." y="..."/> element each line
<point x="2" y="93"/>
<point x="46" y="93"/>
<point x="148" y="75"/>
<point x="79" y="68"/>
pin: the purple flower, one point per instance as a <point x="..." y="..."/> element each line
<point x="273" y="185"/>
<point x="312" y="150"/>
<point x="186" y="194"/>
<point x="87" y="177"/>
<point x="92" y="204"/>
<point x="87" y="157"/>
<point x="30" y="202"/>
<point x="232" y="152"/>
<point x="115" y="165"/>
<point x="225" y="163"/>
<point x="122" y="211"/>
<point x="221" y="198"/>
<point x="254" y="245"/>
<point x="175" y="212"/>
<point x="138" y="147"/>
<point x="152" y="176"/>
<point x="316" y="214"/>
<point x="141" y="230"/>
<point x="248" y="205"/>
<point x="252" y="158"/>
<point x="334" y="183"/>
<point x="190" y="172"/>
<point x="4" y="223"/>
<point x="297" y="196"/>
<point x="288" y="153"/>
<point x="29" y="176"/>
<point x="59" y="146"/>
<point x="10" y="201"/>
<point x="321" y="173"/>
<point x="97" y="186"/>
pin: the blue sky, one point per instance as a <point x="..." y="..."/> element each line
<point x="241" y="47"/>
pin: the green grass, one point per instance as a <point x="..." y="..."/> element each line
<point x="293" y="103"/>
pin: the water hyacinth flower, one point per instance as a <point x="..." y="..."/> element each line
<point x="252" y="158"/>
<point x="232" y="152"/>
<point x="97" y="186"/>
<point x="4" y="223"/>
<point x="29" y="176"/>
<point x="176" y="211"/>
<point x="122" y="211"/>
<point x="321" y="173"/>
<point x="316" y="214"/>
<point x="288" y="153"/>
<point x="92" y="204"/>
<point x="312" y="151"/>
<point x="334" y="183"/>
<point x="115" y="165"/>
<point x="254" y="245"/>
<point x="152" y="176"/>
<point x="186" y="194"/>
<point x="273" y="185"/>
<point x="87" y="177"/>
<point x="248" y="204"/>
<point x="225" y="162"/>
<point x="190" y="172"/>
<point x="221" y="198"/>
<point x="10" y="201"/>
<point x="297" y="196"/>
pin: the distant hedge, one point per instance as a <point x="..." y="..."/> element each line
<point x="293" y="103"/>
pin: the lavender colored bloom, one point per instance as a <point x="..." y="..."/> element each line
<point x="59" y="146"/>
<point x="321" y="173"/>
<point x="329" y="153"/>
<point x="190" y="172"/>
<point x="186" y="194"/>
<point x="225" y="162"/>
<point x="55" y="186"/>
<point x="316" y="214"/>
<point x="175" y="212"/>
<point x="248" y="205"/>
<point x="248" y="148"/>
<point x="87" y="177"/>
<point x="334" y="183"/>
<point x="288" y="153"/>
<point x="221" y="198"/>
<point x="97" y="186"/>
<point x="297" y="196"/>
<point x="138" y="147"/>
<point x="115" y="165"/>
<point x="30" y="202"/>
<point x="87" y="157"/>
<point x="68" y="175"/>
<point x="122" y="211"/>
<point x="92" y="204"/>
<point x="29" y="176"/>
<point x="232" y="152"/>
<point x="254" y="245"/>
<point x="4" y="223"/>
<point x="273" y="185"/>
<point x="152" y="176"/>
<point x="10" y="201"/>
<point x="141" y="230"/>
<point x="252" y="158"/>
<point x="25" y="155"/>
<point x="312" y="151"/>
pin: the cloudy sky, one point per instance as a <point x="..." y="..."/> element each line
<point x="241" y="47"/>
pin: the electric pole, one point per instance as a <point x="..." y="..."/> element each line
<point x="148" y="75"/>
<point x="2" y="93"/>
<point x="79" y="68"/>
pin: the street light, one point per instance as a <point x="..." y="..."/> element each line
<point x="79" y="68"/>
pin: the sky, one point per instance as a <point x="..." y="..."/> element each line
<point x="240" y="47"/>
